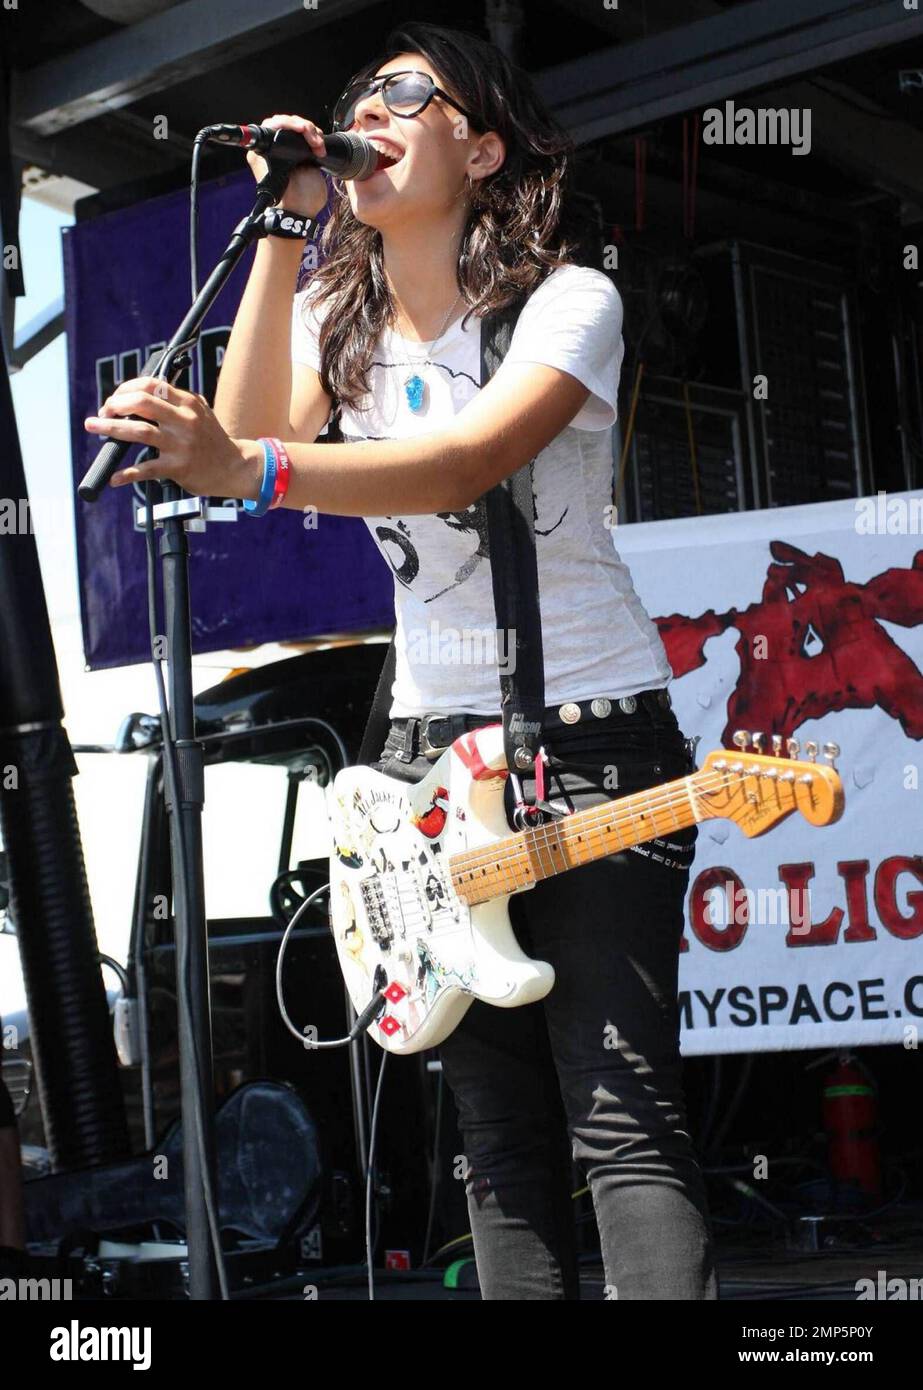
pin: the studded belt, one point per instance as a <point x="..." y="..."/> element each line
<point x="430" y="735"/>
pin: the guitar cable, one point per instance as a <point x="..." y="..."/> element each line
<point x="434" y="1170"/>
<point x="369" y="1179"/>
<point x="369" y="1014"/>
<point x="362" y="1021"/>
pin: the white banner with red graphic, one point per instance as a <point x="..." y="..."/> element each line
<point x="806" y="622"/>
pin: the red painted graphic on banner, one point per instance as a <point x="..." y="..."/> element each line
<point x="813" y="645"/>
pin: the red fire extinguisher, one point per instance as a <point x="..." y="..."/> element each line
<point x="850" y="1114"/>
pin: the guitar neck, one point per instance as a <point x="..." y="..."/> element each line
<point x="516" y="861"/>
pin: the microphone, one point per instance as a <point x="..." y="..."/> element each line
<point x="348" y="155"/>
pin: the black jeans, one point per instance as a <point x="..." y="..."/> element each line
<point x="596" y="1060"/>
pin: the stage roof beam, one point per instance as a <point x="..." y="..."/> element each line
<point x="754" y="45"/>
<point x="158" y="53"/>
<point x="119" y="151"/>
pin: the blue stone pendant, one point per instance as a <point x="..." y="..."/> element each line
<point x="414" y="386"/>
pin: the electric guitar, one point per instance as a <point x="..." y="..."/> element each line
<point x="421" y="874"/>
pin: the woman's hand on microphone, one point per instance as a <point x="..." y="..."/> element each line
<point x="194" y="450"/>
<point x="307" y="188"/>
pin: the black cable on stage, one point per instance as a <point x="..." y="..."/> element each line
<point x="434" y="1170"/>
<point x="194" y="215"/>
<point x="172" y="779"/>
<point x="182" y="971"/>
<point x="363" y="1020"/>
<point x="370" y="1181"/>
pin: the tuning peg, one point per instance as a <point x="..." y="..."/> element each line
<point x="811" y="749"/>
<point x="777" y="744"/>
<point x="757" y="741"/>
<point x="831" y="752"/>
<point x="742" y="738"/>
<point x="792" y="747"/>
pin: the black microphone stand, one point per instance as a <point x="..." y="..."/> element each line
<point x="185" y="794"/>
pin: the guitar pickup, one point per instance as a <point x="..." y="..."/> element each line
<point x="376" y="914"/>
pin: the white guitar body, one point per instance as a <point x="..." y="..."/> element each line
<point x="398" y="924"/>
<point x="421" y="874"/>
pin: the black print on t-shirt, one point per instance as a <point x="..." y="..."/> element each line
<point x="407" y="570"/>
<point x="472" y="521"/>
<point x="427" y="362"/>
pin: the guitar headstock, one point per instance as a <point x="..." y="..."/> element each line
<point x="757" y="789"/>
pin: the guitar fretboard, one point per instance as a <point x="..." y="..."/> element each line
<point x="517" y="861"/>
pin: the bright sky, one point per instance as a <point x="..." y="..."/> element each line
<point x="109" y="789"/>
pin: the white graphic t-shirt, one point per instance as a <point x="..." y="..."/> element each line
<point x="598" y="640"/>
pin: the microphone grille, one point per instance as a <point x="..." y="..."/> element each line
<point x="364" y="157"/>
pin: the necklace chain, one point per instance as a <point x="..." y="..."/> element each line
<point x="445" y="324"/>
<point x="415" y="387"/>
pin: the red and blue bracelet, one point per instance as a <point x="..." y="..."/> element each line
<point x="283" y="474"/>
<point x="276" y="474"/>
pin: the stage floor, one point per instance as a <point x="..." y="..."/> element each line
<point x="753" y="1266"/>
<point x="751" y="1272"/>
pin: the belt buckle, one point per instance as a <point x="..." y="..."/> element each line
<point x="428" y="749"/>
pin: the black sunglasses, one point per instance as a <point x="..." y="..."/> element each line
<point x="405" y="94"/>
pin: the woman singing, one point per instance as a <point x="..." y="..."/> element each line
<point x="468" y="216"/>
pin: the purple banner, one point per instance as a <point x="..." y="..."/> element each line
<point x="277" y="578"/>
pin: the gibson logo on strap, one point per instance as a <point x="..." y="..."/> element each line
<point x="519" y="725"/>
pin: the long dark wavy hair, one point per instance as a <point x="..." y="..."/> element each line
<point x="515" y="233"/>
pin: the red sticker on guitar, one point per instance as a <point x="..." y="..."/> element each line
<point x="431" y="822"/>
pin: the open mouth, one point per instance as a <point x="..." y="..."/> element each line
<point x="387" y="156"/>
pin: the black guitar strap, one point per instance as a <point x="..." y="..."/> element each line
<point x="514" y="574"/>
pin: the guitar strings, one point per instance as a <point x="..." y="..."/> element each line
<point x="616" y="812"/>
<point x="605" y="814"/>
<point x="608" y="813"/>
<point x="599" y="818"/>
